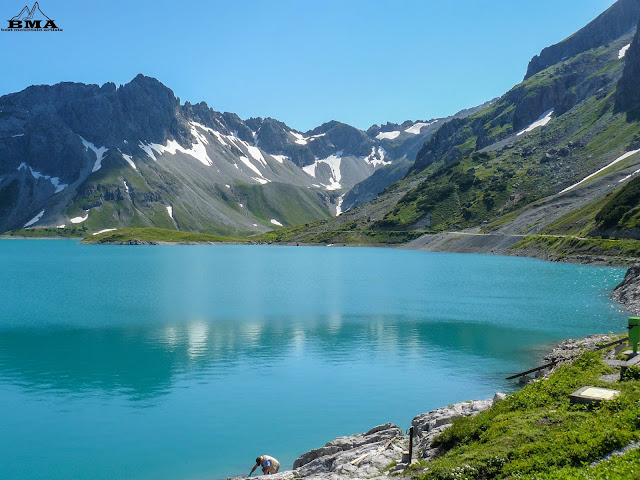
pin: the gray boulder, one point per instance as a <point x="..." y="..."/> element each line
<point x="429" y="425"/>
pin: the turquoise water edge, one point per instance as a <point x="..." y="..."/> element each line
<point x="187" y="362"/>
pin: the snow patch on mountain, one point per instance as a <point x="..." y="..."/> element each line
<point x="311" y="169"/>
<point x="194" y="131"/>
<point x="541" y="122"/>
<point x="170" y="210"/>
<point x="198" y="149"/>
<point x="148" y="150"/>
<point x="416" y="127"/>
<point x="104" y="231"/>
<point x="376" y="157"/>
<point x="34" y="219"/>
<point x="617" y="160"/>
<point x="98" y="151"/>
<point x="220" y="138"/>
<point x="334" y="162"/>
<point x="629" y="176"/>
<point x="129" y="160"/>
<point x="55" y="181"/>
<point x="302" y="140"/>
<point x="252" y="151"/>
<point x="248" y="163"/>
<point x="623" y="51"/>
<point x="255" y="153"/>
<point x="280" y="158"/>
<point x="276" y="222"/>
<point x="79" y="219"/>
<point x="339" y="205"/>
<point x="388" y="135"/>
<point x="203" y="127"/>
<point x="314" y="137"/>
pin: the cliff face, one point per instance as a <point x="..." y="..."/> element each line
<point x="628" y="93"/>
<point x="562" y="87"/>
<point x="617" y="20"/>
<point x="628" y="292"/>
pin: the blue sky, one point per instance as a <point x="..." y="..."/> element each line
<point x="303" y="62"/>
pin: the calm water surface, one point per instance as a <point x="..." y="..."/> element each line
<point x="187" y="362"/>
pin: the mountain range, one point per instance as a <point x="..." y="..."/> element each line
<point x="555" y="156"/>
<point x="102" y="157"/>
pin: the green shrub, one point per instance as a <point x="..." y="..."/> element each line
<point x="631" y="373"/>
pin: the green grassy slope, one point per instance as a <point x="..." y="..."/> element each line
<point x="481" y="186"/>
<point x="537" y="433"/>
<point x="153" y="235"/>
<point x="476" y="172"/>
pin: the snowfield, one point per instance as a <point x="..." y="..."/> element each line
<point x="623" y="51"/>
<point x="98" y="151"/>
<point x="541" y="122"/>
<point x="55" y="181"/>
<point x="79" y="219"/>
<point x="334" y="162"/>
<point x="34" y="219"/>
<point x="416" y="127"/>
<point x="619" y="159"/>
<point x="388" y="135"/>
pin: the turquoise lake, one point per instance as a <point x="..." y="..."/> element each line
<point x="187" y="362"/>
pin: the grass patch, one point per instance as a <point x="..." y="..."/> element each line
<point x="623" y="467"/>
<point x="342" y="235"/>
<point x="67" y="232"/>
<point x="566" y="246"/>
<point x="155" y="235"/>
<point x="536" y="431"/>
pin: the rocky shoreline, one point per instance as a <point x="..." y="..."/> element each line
<point x="628" y="292"/>
<point x="503" y="244"/>
<point x="377" y="454"/>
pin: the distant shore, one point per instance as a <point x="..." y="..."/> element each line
<point x="554" y="248"/>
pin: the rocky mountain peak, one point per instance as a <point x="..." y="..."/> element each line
<point x="621" y="17"/>
<point x="132" y="151"/>
<point x="325" y="127"/>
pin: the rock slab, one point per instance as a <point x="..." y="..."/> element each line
<point x="628" y="292"/>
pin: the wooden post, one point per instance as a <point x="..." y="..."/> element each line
<point x="410" y="445"/>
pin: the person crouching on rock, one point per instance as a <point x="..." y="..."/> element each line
<point x="269" y="465"/>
